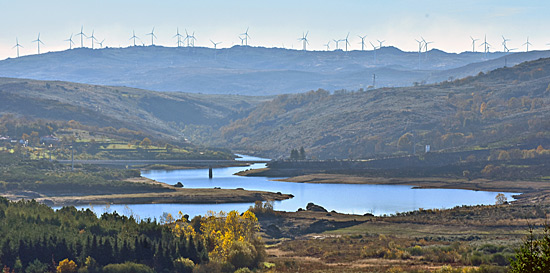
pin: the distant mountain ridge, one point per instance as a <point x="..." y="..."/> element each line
<point x="252" y="70"/>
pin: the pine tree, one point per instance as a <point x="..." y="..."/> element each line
<point x="302" y="153"/>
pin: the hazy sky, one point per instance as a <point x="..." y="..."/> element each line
<point x="449" y="24"/>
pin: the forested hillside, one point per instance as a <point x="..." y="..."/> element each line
<point x="503" y="108"/>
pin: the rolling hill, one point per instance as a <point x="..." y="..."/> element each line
<point x="162" y="115"/>
<point x="507" y="107"/>
<point x="253" y="70"/>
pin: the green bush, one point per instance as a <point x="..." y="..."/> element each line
<point x="127" y="267"/>
<point x="36" y="267"/>
<point x="242" y="254"/>
<point x="243" y="270"/>
<point x="183" y="265"/>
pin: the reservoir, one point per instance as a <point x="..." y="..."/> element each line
<point x="344" y="198"/>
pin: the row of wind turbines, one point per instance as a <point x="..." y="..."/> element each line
<point x="190" y="39"/>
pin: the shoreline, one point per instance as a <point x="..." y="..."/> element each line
<point x="526" y="191"/>
<point x="170" y="195"/>
<point x="180" y="196"/>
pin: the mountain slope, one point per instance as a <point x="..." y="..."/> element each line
<point x="160" y="114"/>
<point x="247" y="70"/>
<point x="508" y="106"/>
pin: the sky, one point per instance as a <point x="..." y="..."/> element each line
<point x="448" y="24"/>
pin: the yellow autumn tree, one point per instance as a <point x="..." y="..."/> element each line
<point x="222" y="230"/>
<point x="182" y="227"/>
<point x="66" y="266"/>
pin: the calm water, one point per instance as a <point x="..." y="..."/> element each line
<point x="357" y="199"/>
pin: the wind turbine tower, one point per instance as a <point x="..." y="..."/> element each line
<point x="93" y="38"/>
<point x="134" y="37"/>
<point x="327" y="45"/>
<point x="101" y="43"/>
<point x="153" y="36"/>
<point x="346" y="42"/>
<point x="304" y="40"/>
<point x="178" y="35"/>
<point x="362" y="42"/>
<point x="380" y="42"/>
<point x="70" y="40"/>
<point x="374" y="48"/>
<point x="38" y="41"/>
<point x="504" y="47"/>
<point x="193" y="39"/>
<point x="527" y="44"/>
<point x="246" y="36"/>
<point x="426" y="46"/>
<point x="420" y="47"/>
<point x="473" y="43"/>
<point x="82" y="35"/>
<point x="336" y="42"/>
<point x="17" y="45"/>
<point x="486" y="45"/>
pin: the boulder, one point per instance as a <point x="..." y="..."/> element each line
<point x="313" y="207"/>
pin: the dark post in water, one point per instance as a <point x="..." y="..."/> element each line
<point x="210" y="172"/>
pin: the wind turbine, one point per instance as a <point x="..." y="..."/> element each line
<point x="101" y="43"/>
<point x="153" y="36"/>
<point x="246" y="36"/>
<point x="17" y="45"/>
<point x="304" y="40"/>
<point x="93" y="38"/>
<point x="362" y="42"/>
<point x="486" y="45"/>
<point x="70" y="40"/>
<point x="327" y="45"/>
<point x="374" y="50"/>
<point x="504" y="47"/>
<point x="473" y="43"/>
<point x="381" y="42"/>
<point x="187" y="37"/>
<point x="242" y="40"/>
<point x="215" y="44"/>
<point x="420" y="46"/>
<point x="190" y="39"/>
<point x="81" y="36"/>
<point x="134" y="37"/>
<point x="178" y="35"/>
<point x="426" y="46"/>
<point x="38" y="41"/>
<point x="336" y="42"/>
<point x="527" y="44"/>
<point x="193" y="39"/>
<point x="346" y="41"/>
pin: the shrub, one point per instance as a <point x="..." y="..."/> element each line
<point x="183" y="265"/>
<point x="36" y="267"/>
<point x="66" y="266"/>
<point x="242" y="254"/>
<point x="243" y="270"/>
<point x="127" y="267"/>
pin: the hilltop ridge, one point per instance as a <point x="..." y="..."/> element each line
<point x="248" y="70"/>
